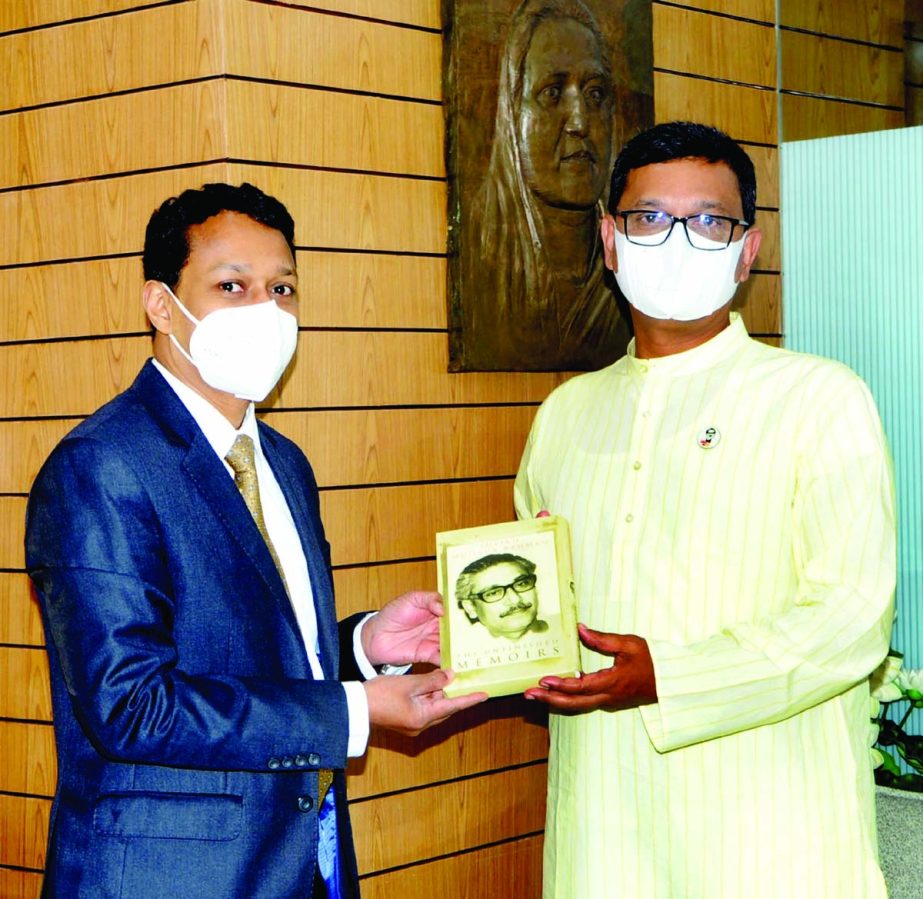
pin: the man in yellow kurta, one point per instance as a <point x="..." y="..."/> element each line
<point x="731" y="507"/>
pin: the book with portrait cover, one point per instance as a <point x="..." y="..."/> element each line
<point x="510" y="608"/>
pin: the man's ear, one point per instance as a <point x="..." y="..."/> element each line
<point x="752" y="240"/>
<point x="470" y="609"/>
<point x="607" y="231"/>
<point x="158" y="305"/>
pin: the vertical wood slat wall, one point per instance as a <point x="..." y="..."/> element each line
<point x="109" y="106"/>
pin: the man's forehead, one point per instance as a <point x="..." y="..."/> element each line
<point x="694" y="181"/>
<point x="235" y="241"/>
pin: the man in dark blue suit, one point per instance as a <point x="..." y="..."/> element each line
<point x="204" y="695"/>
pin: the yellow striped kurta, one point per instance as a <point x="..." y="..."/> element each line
<point x="761" y="570"/>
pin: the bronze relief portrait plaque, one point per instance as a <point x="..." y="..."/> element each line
<point x="539" y="96"/>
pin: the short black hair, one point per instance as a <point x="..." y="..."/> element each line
<point x="166" y="240"/>
<point x="685" y="140"/>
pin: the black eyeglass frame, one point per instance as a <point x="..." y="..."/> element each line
<point x="682" y="219"/>
<point x="523" y="588"/>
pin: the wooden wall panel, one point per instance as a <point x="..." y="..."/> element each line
<point x="338" y="290"/>
<point x="347" y="368"/>
<point x="507" y="870"/>
<point x="25" y="821"/>
<point x="24" y="689"/>
<point x="305" y="47"/>
<point x="29" y="758"/>
<point x="358" y="588"/>
<point x="332" y="209"/>
<point x="913" y="100"/>
<point x="810" y="117"/>
<point x="759" y="301"/>
<point x="75" y="299"/>
<point x="715" y="46"/>
<point x="373" y="134"/>
<point x="376" y="446"/>
<point x="189" y="121"/>
<point x="913" y="58"/>
<point x="20" y="622"/>
<point x="373" y="524"/>
<point x="181" y="42"/>
<point x="24" y="445"/>
<point x="754" y="10"/>
<point x="817" y="65"/>
<point x="875" y="21"/>
<point x="769" y="257"/>
<point x="913" y="18"/>
<point x="384" y="523"/>
<point x="20" y="884"/>
<point x="19" y="14"/>
<point x="345" y="447"/>
<point x="360" y="369"/>
<point x="459" y="815"/>
<point x="511" y="733"/>
<point x="766" y="163"/>
<point x="746" y="113"/>
<point x="44" y="381"/>
<point x="842" y="50"/>
<point x="177" y="42"/>
<point x="355" y="290"/>
<point x="423" y="13"/>
<point x="913" y="62"/>
<point x="12" y="514"/>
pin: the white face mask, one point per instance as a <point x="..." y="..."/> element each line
<point x="675" y="280"/>
<point x="241" y="350"/>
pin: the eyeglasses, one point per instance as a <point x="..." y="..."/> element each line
<point x="652" y="227"/>
<point x="523" y="584"/>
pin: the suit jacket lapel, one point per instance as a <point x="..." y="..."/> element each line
<point x="217" y="488"/>
<point x="309" y="527"/>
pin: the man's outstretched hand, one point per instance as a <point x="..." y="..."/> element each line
<point x="406" y="630"/>
<point x="629" y="682"/>
<point x="412" y="702"/>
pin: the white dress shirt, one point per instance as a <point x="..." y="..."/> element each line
<point x="221" y="434"/>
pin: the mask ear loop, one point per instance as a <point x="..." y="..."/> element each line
<point x="188" y="315"/>
<point x="179" y="303"/>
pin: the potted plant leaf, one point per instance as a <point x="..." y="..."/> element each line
<point x="898" y="759"/>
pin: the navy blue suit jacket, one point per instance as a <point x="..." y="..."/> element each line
<point x="189" y="728"/>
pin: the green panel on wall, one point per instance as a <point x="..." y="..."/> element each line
<point x="852" y="242"/>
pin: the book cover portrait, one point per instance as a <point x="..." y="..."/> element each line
<point x="510" y="612"/>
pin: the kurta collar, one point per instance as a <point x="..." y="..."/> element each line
<point x="730" y="341"/>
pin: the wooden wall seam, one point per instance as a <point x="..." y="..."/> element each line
<point x="846" y="39"/>
<point x="447" y="855"/>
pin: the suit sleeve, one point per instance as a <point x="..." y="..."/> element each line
<point x="97" y="555"/>
<point x="349" y="667"/>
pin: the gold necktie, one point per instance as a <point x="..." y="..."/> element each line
<point x="242" y="458"/>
